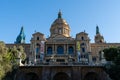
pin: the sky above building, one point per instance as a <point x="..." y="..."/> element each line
<point x="38" y="15"/>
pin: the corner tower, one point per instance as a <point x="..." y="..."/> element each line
<point x="60" y="27"/>
<point x="21" y="37"/>
<point x="98" y="37"/>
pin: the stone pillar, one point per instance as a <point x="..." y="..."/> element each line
<point x="103" y="61"/>
<point x="67" y="49"/>
<point x="74" y="49"/>
<point x="64" y="49"/>
<point x="53" y="49"/>
<point x="46" y="48"/>
<point x="90" y="58"/>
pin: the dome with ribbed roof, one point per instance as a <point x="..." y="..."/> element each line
<point x="60" y="27"/>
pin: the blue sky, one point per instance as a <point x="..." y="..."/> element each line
<point x="39" y="15"/>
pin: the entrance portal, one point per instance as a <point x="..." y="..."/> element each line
<point x="61" y="76"/>
<point x="91" y="76"/>
<point x="31" y="76"/>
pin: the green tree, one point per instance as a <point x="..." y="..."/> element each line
<point x="5" y="64"/>
<point x="113" y="55"/>
<point x="8" y="60"/>
<point x="21" y="52"/>
<point x="16" y="53"/>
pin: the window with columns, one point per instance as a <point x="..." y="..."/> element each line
<point x="60" y="50"/>
<point x="83" y="49"/>
<point x="37" y="48"/>
<point x="49" y="50"/>
<point x="71" y="50"/>
<point x="82" y="38"/>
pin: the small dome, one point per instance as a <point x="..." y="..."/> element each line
<point x="60" y="26"/>
<point x="59" y="21"/>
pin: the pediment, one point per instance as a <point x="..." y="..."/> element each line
<point x="38" y="33"/>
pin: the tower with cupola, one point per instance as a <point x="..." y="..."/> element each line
<point x="85" y="47"/>
<point x="98" y="37"/>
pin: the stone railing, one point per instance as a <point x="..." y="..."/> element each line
<point x="64" y="64"/>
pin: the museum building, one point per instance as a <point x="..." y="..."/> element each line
<point x="60" y="47"/>
<point x="62" y="57"/>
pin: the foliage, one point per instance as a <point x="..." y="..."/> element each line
<point x="16" y="53"/>
<point x="5" y="64"/>
<point x="113" y="55"/>
<point x="22" y="54"/>
<point x="8" y="60"/>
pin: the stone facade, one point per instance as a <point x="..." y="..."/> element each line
<point x="61" y="47"/>
<point x="61" y="73"/>
<point x="61" y="56"/>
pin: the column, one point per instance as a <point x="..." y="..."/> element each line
<point x="46" y="48"/>
<point x="74" y="49"/>
<point x="53" y="49"/>
<point x="64" y="49"/>
<point x="67" y="49"/>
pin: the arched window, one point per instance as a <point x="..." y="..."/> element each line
<point x="37" y="48"/>
<point x="82" y="38"/>
<point x="94" y="59"/>
<point x="71" y="50"/>
<point x="82" y="44"/>
<point x="60" y="50"/>
<point x="49" y="50"/>
<point x="56" y="31"/>
<point x="60" y="31"/>
<point x="83" y="49"/>
<point x="37" y="38"/>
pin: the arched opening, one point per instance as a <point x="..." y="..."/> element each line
<point x="91" y="76"/>
<point x="83" y="49"/>
<point x="61" y="76"/>
<point x="49" y="50"/>
<point x="94" y="59"/>
<point x="31" y="76"/>
<point x="37" y="48"/>
<point x="60" y="50"/>
<point x="82" y="44"/>
<point x="82" y="38"/>
<point x="37" y="38"/>
<point x="71" y="50"/>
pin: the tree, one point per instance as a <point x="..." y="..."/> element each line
<point x="113" y="55"/>
<point x="21" y="52"/>
<point x="8" y="61"/>
<point x="5" y="65"/>
<point x="16" y="53"/>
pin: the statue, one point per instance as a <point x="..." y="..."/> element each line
<point x="78" y="51"/>
<point x="97" y="30"/>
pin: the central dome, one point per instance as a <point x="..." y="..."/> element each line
<point x="60" y="27"/>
